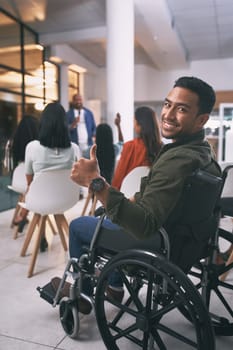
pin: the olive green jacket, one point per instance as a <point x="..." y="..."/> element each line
<point x="161" y="191"/>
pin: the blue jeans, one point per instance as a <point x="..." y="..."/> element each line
<point x="81" y="231"/>
<point x="112" y="237"/>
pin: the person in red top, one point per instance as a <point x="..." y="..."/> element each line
<point x="143" y="149"/>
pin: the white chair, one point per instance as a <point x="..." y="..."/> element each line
<point x="129" y="186"/>
<point x="18" y="185"/>
<point x="90" y="199"/>
<point x="51" y="192"/>
<point x="228" y="193"/>
<point x="131" y="182"/>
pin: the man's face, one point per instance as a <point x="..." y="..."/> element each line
<point x="179" y="116"/>
<point x="77" y="101"/>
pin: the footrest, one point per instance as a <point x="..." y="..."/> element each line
<point x="49" y="291"/>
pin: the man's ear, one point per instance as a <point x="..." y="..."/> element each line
<point x="202" y="119"/>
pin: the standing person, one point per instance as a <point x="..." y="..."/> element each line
<point x="185" y="111"/>
<point x="143" y="149"/>
<point x="81" y="123"/>
<point x="52" y="150"/>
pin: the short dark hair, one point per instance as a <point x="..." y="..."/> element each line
<point x="54" y="131"/>
<point x="204" y="91"/>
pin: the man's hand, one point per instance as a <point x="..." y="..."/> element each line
<point x="85" y="170"/>
<point x="75" y="122"/>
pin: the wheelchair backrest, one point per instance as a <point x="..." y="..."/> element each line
<point x="201" y="195"/>
<point x="195" y="219"/>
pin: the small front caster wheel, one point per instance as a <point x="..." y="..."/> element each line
<point x="69" y="317"/>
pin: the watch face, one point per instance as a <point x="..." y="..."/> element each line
<point x="97" y="184"/>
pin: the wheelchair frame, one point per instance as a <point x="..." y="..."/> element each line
<point x="155" y="287"/>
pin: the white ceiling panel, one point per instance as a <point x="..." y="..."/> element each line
<point x="185" y="30"/>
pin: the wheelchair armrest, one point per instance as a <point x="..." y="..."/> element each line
<point x="99" y="211"/>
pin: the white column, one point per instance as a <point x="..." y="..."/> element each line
<point x="64" y="86"/>
<point x="120" y="64"/>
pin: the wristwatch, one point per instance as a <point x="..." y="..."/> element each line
<point x="97" y="184"/>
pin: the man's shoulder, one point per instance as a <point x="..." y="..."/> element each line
<point x="183" y="155"/>
<point x="70" y="112"/>
<point x="87" y="110"/>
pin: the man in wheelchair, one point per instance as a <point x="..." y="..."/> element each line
<point x="143" y="243"/>
<point x="136" y="221"/>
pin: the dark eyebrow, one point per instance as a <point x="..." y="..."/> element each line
<point x="178" y="103"/>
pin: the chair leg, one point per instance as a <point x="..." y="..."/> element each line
<point x="93" y="206"/>
<point x="59" y="219"/>
<point x="17" y="209"/>
<point x="51" y="225"/>
<point x="65" y="225"/>
<point x="29" y="233"/>
<point x="15" y="235"/>
<point x="89" y="197"/>
<point x="229" y="261"/>
<point x="41" y="231"/>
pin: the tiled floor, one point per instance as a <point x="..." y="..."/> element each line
<point x="29" y="323"/>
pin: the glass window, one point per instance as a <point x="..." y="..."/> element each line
<point x="10" y="49"/>
<point x="51" y="81"/>
<point x="34" y="84"/>
<point x="27" y="83"/>
<point x="73" y="80"/>
<point x="10" y="80"/>
<point x="33" y="53"/>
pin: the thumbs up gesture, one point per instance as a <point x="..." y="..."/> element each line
<point x="85" y="170"/>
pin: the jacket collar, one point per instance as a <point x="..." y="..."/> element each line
<point x="197" y="137"/>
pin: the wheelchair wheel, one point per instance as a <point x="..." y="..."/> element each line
<point x="217" y="293"/>
<point x="149" y="317"/>
<point x="69" y="317"/>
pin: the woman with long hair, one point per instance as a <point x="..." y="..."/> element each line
<point x="105" y="151"/>
<point x="142" y="150"/>
<point x="52" y="150"/>
<point x="27" y="131"/>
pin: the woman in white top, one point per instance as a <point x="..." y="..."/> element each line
<point x="53" y="149"/>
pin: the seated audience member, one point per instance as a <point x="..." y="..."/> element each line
<point x="143" y="149"/>
<point x="107" y="151"/>
<point x="185" y="111"/>
<point x="52" y="150"/>
<point x="26" y="131"/>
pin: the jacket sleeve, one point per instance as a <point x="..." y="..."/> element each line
<point x="155" y="202"/>
<point x="93" y="125"/>
<point x="70" y="117"/>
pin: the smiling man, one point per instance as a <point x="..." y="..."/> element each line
<point x="185" y="111"/>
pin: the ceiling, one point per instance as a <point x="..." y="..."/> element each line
<point x="169" y="34"/>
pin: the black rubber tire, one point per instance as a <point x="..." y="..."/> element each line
<point x="69" y="317"/>
<point x="217" y="293"/>
<point x="142" y="272"/>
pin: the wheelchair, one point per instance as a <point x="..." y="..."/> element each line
<point x="155" y="288"/>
